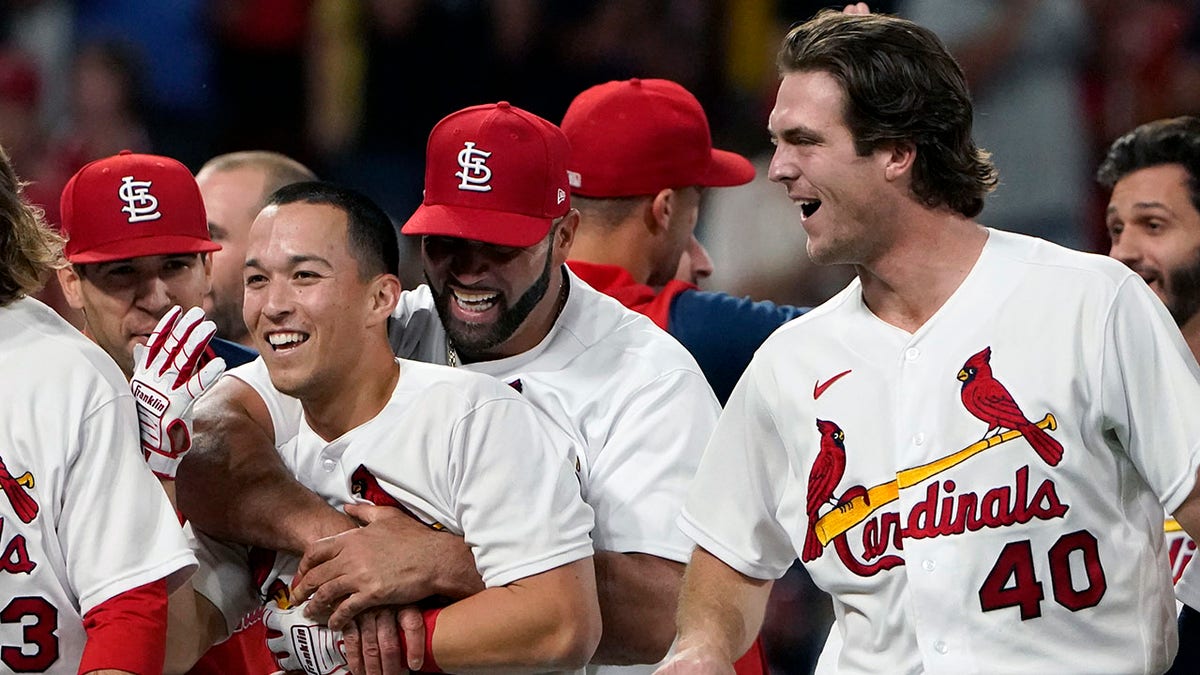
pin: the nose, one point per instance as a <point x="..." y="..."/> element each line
<point x="782" y="169"/>
<point x="468" y="264"/>
<point x="153" y="295"/>
<point x="1125" y="248"/>
<point x="278" y="301"/>
<point x="702" y="264"/>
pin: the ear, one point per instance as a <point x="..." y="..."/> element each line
<point x="899" y="160"/>
<point x="564" y="237"/>
<point x="385" y="293"/>
<point x="71" y="285"/>
<point x="659" y="214"/>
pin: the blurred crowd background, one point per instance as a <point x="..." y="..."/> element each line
<point x="353" y="87"/>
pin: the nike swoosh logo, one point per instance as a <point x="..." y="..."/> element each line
<point x="819" y="388"/>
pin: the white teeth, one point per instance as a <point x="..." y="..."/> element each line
<point x="475" y="302"/>
<point x="285" y="339"/>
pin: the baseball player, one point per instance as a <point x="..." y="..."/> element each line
<point x="138" y="244"/>
<point x="970" y="447"/>
<point x="89" y="545"/>
<point x="457" y="451"/>
<point x="1153" y="221"/>
<point x="641" y="155"/>
<point x="496" y="226"/>
<point x="235" y="186"/>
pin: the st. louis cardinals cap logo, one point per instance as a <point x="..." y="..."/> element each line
<point x="475" y="174"/>
<point x="14" y="487"/>
<point x="139" y="203"/>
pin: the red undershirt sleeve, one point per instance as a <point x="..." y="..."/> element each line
<point x="128" y="631"/>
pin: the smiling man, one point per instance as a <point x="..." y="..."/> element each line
<point x="1153" y="220"/>
<point x="496" y="227"/>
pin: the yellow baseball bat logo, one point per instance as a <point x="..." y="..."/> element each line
<point x="845" y="516"/>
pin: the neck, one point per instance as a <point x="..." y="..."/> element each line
<point x="620" y="245"/>
<point x="361" y="392"/>
<point x="918" y="272"/>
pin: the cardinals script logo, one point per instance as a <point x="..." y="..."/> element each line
<point x="944" y="510"/>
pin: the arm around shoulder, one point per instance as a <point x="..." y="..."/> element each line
<point x="233" y="484"/>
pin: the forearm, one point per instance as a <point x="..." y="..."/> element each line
<point x="720" y="609"/>
<point x="549" y="621"/>
<point x="233" y="484"/>
<point x="194" y="624"/>
<point x="638" y="594"/>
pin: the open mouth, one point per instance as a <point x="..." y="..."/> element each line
<point x="808" y="207"/>
<point x="475" y="302"/>
<point x="283" y="341"/>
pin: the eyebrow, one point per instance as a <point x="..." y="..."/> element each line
<point x="797" y="134"/>
<point x="293" y="260"/>
<point x="1142" y="206"/>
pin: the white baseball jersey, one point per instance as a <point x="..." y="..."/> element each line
<point x="1039" y="549"/>
<point x="629" y="394"/>
<point x="1182" y="549"/>
<point x="82" y="519"/>
<point x="459" y="452"/>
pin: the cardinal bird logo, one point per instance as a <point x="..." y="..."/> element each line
<point x="15" y="489"/>
<point x="364" y="485"/>
<point x="823" y="479"/>
<point x="984" y="397"/>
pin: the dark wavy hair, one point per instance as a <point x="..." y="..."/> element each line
<point x="1175" y="140"/>
<point x="901" y="85"/>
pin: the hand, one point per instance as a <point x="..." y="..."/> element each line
<point x="166" y="383"/>
<point x="299" y="644"/>
<point x="374" y="647"/>
<point x="696" y="660"/>
<point x="393" y="560"/>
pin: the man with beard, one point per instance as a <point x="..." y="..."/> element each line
<point x="496" y="226"/>
<point x="1153" y="219"/>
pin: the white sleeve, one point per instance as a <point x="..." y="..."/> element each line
<point x="118" y="530"/>
<point x="638" y="481"/>
<point x="1187" y="589"/>
<point x="732" y="506"/>
<point x="514" y="494"/>
<point x="1151" y="392"/>
<point x="286" y="412"/>
<point x="223" y="577"/>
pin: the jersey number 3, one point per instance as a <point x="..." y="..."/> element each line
<point x="1013" y="582"/>
<point x="40" y="634"/>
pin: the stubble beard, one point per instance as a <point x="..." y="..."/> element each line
<point x="1183" y="290"/>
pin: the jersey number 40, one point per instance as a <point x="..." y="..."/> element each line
<point x="1013" y="582"/>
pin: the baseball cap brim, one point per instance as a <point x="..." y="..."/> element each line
<point x="490" y="227"/>
<point x="727" y="169"/>
<point x="143" y="246"/>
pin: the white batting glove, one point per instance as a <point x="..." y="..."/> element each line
<point x="299" y="643"/>
<point x="167" y="381"/>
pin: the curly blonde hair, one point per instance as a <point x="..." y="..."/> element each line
<point x="29" y="250"/>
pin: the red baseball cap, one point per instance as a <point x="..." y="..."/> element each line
<point x="636" y="137"/>
<point x="493" y="173"/>
<point x="132" y="205"/>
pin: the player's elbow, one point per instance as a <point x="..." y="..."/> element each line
<point x="574" y="642"/>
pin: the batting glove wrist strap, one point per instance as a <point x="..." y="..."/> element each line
<point x="169" y="375"/>
<point x="299" y="643"/>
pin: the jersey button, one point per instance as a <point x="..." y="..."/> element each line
<point x="941" y="647"/>
<point x="928" y="565"/>
<point x="912" y="353"/>
<point x="918" y="438"/>
<point x="329" y="465"/>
